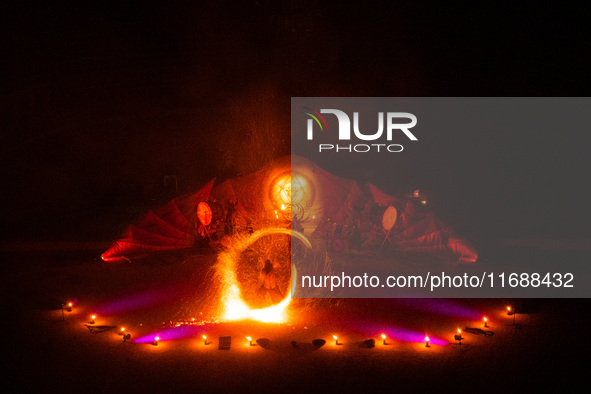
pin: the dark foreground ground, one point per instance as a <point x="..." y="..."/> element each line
<point x="44" y="353"/>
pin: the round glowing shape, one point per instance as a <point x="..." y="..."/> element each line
<point x="156" y="339"/>
<point x="234" y="308"/>
<point x="204" y="337"/>
<point x="204" y="213"/>
<point x="426" y="339"/>
<point x="335" y="337"/>
<point x="424" y="202"/>
<point x="383" y="336"/>
<point x="69" y="304"/>
<point x="508" y="308"/>
<point x="292" y="188"/>
<point x="122" y="329"/>
<point x="93" y="317"/>
<point x="485" y="319"/>
<point x="459" y="331"/>
<point x="249" y="339"/>
<point x="389" y="218"/>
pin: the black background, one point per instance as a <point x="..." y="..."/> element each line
<point x="99" y="102"/>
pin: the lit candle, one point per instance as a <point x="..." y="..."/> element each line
<point x="249" y="341"/>
<point x="156" y="339"/>
<point x="92" y="319"/>
<point x="336" y="340"/>
<point x="205" y="340"/>
<point x="485" y="322"/>
<point x="427" y="342"/>
<point x="69" y="307"/>
<point x="384" y="338"/>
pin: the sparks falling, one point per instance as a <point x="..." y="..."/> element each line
<point x="232" y="305"/>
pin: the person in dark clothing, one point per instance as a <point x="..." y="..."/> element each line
<point x="269" y="285"/>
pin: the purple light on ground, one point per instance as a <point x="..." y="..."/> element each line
<point x="137" y="301"/>
<point x="371" y="328"/>
<point x="180" y="332"/>
<point x="405" y="335"/>
<point x="440" y="307"/>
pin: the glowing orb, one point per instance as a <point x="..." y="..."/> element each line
<point x="292" y="188"/>
<point x="204" y="213"/>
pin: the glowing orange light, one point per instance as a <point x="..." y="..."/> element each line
<point x="93" y="317"/>
<point x="204" y="336"/>
<point x="485" y="319"/>
<point x="231" y="302"/>
<point x="424" y="202"/>
<point x="383" y="336"/>
<point x="122" y="329"/>
<point x="427" y="342"/>
<point x="70" y="304"/>
<point x="249" y="339"/>
<point x="508" y="309"/>
<point x="204" y="213"/>
<point x="156" y="339"/>
<point x="426" y="339"/>
<point x="459" y="331"/>
<point x="335" y="337"/>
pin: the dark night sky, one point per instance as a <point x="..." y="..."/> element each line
<point x="99" y="102"/>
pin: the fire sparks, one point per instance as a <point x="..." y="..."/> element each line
<point x="232" y="303"/>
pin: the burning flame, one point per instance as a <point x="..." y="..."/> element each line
<point x="233" y="306"/>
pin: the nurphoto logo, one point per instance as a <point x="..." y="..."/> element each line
<point x="393" y="125"/>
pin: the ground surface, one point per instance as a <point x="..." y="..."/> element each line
<point x="43" y="352"/>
